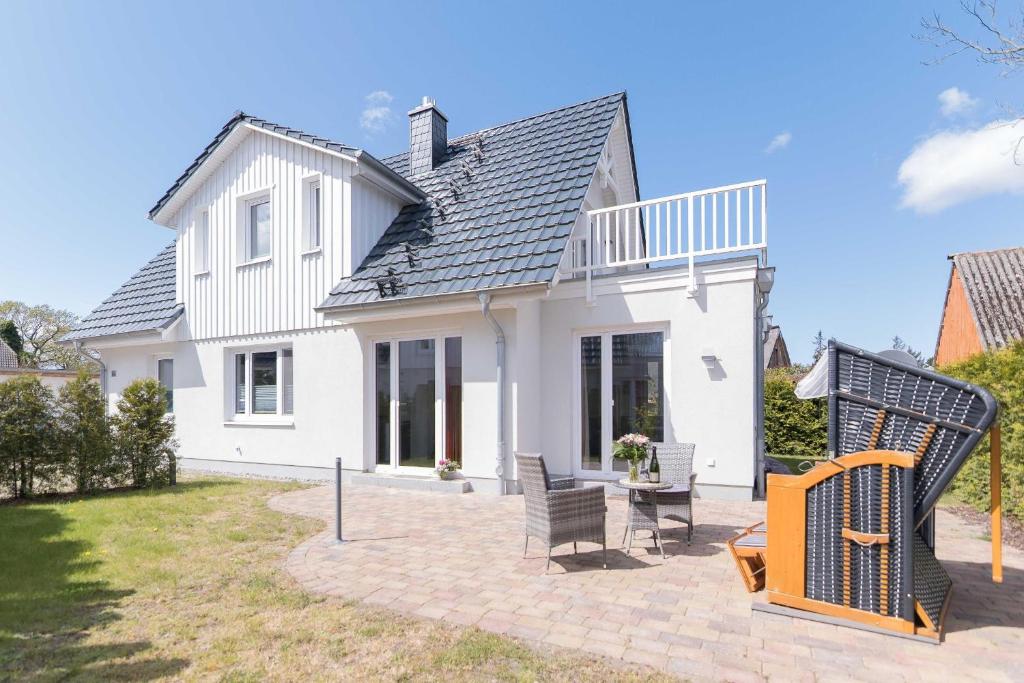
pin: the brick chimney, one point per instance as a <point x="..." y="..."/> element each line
<point x="428" y="137"/>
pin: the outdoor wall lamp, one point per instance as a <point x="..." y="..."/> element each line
<point x="709" y="358"/>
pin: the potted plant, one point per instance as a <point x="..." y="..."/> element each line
<point x="446" y="469"/>
<point x="633" y="449"/>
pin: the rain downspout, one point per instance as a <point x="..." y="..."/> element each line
<point x="765" y="280"/>
<point x="499" y="334"/>
<point x="103" y="374"/>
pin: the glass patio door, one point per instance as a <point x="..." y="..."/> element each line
<point x="418" y="399"/>
<point x="622" y="379"/>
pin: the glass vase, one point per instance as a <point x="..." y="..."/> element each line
<point x="634" y="471"/>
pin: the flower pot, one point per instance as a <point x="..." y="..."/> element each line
<point x="446" y="475"/>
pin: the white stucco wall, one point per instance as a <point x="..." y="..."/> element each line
<point x="334" y="406"/>
<point x="713" y="408"/>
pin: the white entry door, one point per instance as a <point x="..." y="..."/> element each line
<point x="621" y="390"/>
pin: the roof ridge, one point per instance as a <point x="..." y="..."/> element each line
<point x="983" y="251"/>
<point x="621" y="93"/>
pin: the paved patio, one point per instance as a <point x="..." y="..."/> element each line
<point x="459" y="558"/>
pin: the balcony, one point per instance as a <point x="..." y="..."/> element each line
<point x="671" y="231"/>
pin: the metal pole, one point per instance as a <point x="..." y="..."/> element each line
<point x="996" y="474"/>
<point x="337" y="499"/>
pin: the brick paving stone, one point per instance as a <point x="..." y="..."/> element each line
<point x="687" y="615"/>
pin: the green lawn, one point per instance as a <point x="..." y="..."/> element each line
<point x="793" y="461"/>
<point x="186" y="583"/>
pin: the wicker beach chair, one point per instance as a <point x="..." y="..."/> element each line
<point x="851" y="539"/>
<point x="676" y="461"/>
<point x="556" y="511"/>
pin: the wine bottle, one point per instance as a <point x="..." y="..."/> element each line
<point x="654" y="471"/>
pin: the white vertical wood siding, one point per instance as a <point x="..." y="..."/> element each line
<point x="373" y="209"/>
<point x="279" y="294"/>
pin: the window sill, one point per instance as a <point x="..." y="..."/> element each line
<point x="316" y="251"/>
<point x="202" y="273"/>
<point x="254" y="262"/>
<point x="268" y="421"/>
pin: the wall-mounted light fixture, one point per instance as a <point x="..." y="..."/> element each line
<point x="709" y="358"/>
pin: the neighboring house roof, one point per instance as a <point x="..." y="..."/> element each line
<point x="241" y="117"/>
<point x="145" y="303"/>
<point x="776" y="355"/>
<point x="8" y="358"/>
<point x="503" y="202"/>
<point x="994" y="284"/>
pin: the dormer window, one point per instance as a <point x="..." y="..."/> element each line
<point x="257" y="229"/>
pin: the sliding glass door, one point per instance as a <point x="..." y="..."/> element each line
<point x="418" y="401"/>
<point x="622" y="380"/>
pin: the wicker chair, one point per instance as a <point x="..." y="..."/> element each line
<point x="556" y="511"/>
<point x="676" y="460"/>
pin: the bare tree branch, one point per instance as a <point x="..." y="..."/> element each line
<point x="1001" y="42"/>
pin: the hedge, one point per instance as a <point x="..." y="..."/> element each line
<point x="1002" y="373"/>
<point x="66" y="442"/>
<point x="793" y="426"/>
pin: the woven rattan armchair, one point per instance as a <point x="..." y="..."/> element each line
<point x="676" y="460"/>
<point x="556" y="511"/>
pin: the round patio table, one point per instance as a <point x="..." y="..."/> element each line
<point x="643" y="514"/>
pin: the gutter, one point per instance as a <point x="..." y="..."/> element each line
<point x="499" y="334"/>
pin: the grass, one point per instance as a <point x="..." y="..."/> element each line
<point x="793" y="461"/>
<point x="185" y="583"/>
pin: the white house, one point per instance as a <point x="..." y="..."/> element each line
<point x="497" y="292"/>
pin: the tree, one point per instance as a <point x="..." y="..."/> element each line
<point x="84" y="434"/>
<point x="999" y="42"/>
<point x="144" y="434"/>
<point x="900" y="345"/>
<point x="26" y="434"/>
<point x="40" y="327"/>
<point x="819" y="346"/>
<point x="10" y="336"/>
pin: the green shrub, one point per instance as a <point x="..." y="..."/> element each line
<point x="144" y="434"/>
<point x="793" y="426"/>
<point x="27" y="444"/>
<point x="86" y="452"/>
<point x="1002" y="373"/>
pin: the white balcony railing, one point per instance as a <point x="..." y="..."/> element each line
<point x="681" y="228"/>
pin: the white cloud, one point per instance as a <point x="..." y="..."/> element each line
<point x="377" y="114"/>
<point x="955" y="101"/>
<point x="778" y="142"/>
<point x="955" y="166"/>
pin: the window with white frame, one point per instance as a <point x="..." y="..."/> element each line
<point x="314" y="215"/>
<point x="263" y="383"/>
<point x="165" y="375"/>
<point x="201" y="243"/>
<point x="257" y="228"/>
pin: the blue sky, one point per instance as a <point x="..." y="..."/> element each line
<point x="103" y="105"/>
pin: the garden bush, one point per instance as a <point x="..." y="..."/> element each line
<point x="28" y="453"/>
<point x="1002" y="373"/>
<point x="86" y="452"/>
<point x="144" y="434"/>
<point x="68" y="443"/>
<point x="793" y="426"/>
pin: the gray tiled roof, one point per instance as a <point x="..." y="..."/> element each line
<point x="994" y="284"/>
<point x="8" y="358"/>
<point x="146" y="302"/>
<point x="502" y="204"/>
<point x="242" y="117"/>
